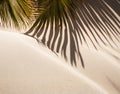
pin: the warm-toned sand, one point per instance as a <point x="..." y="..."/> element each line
<point x="29" y="68"/>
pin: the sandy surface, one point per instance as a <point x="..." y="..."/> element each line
<point x="29" y="68"/>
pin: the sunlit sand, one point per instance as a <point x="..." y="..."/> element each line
<point x="27" y="67"/>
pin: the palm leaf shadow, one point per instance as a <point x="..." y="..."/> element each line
<point x="62" y="28"/>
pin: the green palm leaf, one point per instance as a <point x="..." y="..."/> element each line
<point x="14" y="13"/>
<point x="66" y="24"/>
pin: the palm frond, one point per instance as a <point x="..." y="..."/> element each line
<point x="64" y="25"/>
<point x="14" y="13"/>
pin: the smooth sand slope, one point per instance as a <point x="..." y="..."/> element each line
<point x="29" y="68"/>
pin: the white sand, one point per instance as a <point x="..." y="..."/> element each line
<point x="29" y="68"/>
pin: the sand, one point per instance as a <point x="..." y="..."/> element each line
<point x="29" y="68"/>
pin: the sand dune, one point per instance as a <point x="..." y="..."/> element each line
<point x="29" y="68"/>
